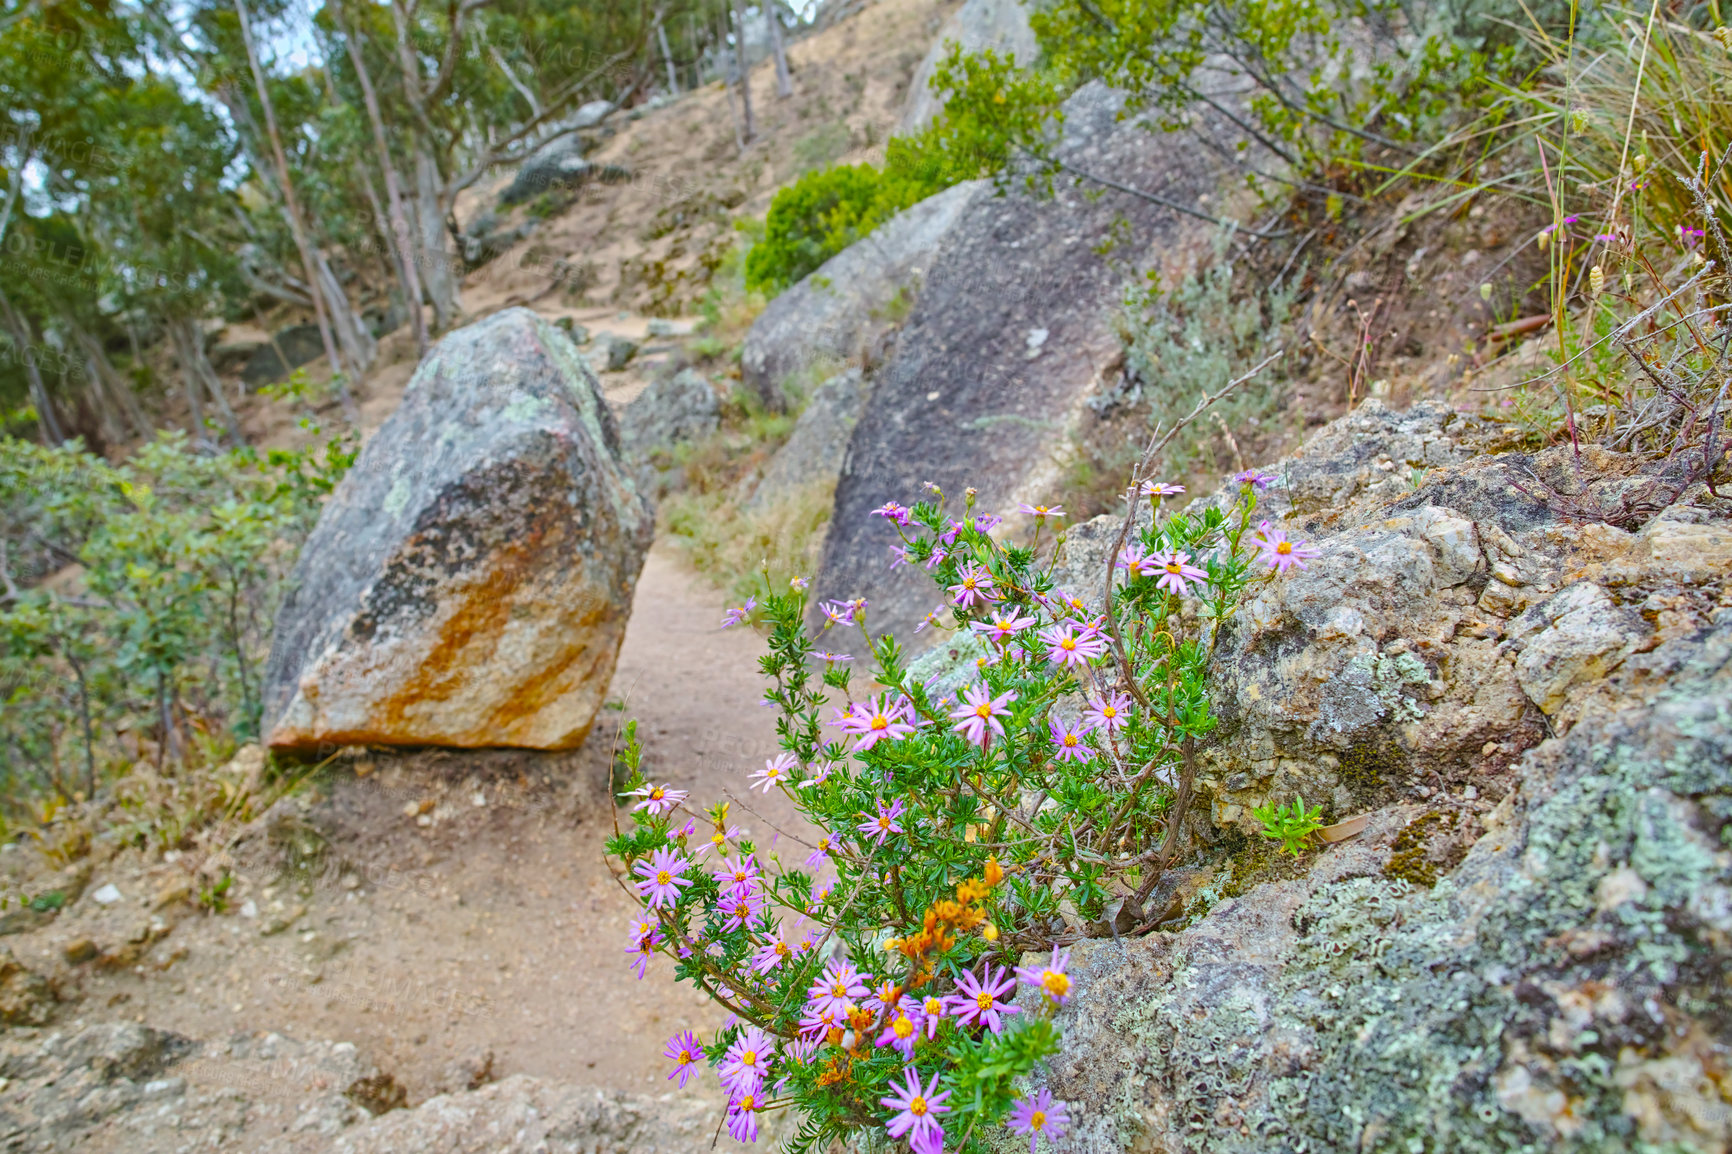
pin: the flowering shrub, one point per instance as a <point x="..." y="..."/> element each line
<point x="874" y="982"/>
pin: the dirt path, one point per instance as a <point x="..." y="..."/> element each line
<point x="488" y="922"/>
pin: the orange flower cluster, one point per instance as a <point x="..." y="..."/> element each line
<point x="944" y="920"/>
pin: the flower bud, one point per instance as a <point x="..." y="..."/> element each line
<point x="1596" y="280"/>
<point x="989" y="932"/>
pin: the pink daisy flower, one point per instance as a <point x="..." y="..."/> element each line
<point x="882" y="826"/>
<point x="1135" y="561"/>
<point x="662" y="881"/>
<point x="658" y="799"/>
<point x="820" y="857"/>
<point x="1056" y="511"/>
<point x="772" y="953"/>
<point x="797" y="584"/>
<point x="976" y="1001"/>
<point x="739" y="909"/>
<point x="1066" y="647"/>
<point x="892" y="511"/>
<point x="1279" y="553"/>
<point x="817" y="1023"/>
<point x="826" y="655"/>
<point x="876" y="719"/>
<point x="685" y="1052"/>
<point x="739" y="877"/>
<point x="980" y="711"/>
<point x="1036" y="1116"/>
<point x="916" y="1109"/>
<point x="776" y="771"/>
<point x="747" y="1063"/>
<point x="743" y="1117"/>
<point x="901" y="1032"/>
<point x="738" y="615"/>
<point x="1255" y="478"/>
<point x="1109" y="713"/>
<point x="885" y="996"/>
<point x="1176" y="569"/>
<point x="1003" y="628"/>
<point x="1161" y="489"/>
<point x="838" y="612"/>
<point x="973" y="587"/>
<point x="931" y="1014"/>
<point x="1067" y="743"/>
<point x="837" y="989"/>
<point x="645" y="937"/>
<point x="1049" y="979"/>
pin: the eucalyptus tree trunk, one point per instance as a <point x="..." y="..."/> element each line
<point x="667" y="56"/>
<point x="438" y="264"/>
<point x="19" y="328"/>
<point x="110" y="379"/>
<point x="200" y="376"/>
<point x="745" y="71"/>
<point x="784" y="82"/>
<point x="360" y="347"/>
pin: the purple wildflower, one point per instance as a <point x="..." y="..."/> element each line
<point x="837" y="989"/>
<point x="1055" y="511"/>
<point x="979" y="711"/>
<point x="1134" y="561"/>
<point x="743" y="1117"/>
<point x="917" y="1110"/>
<point x="645" y="937"/>
<point x="1066" y="647"/>
<point x="1049" y="979"/>
<point x="976" y="1001"/>
<point x="880" y="827"/>
<point x="658" y="799"/>
<point x="1036" y="1116"/>
<point x="820" y="857"/>
<point x="747" y="1062"/>
<point x="739" y="909"/>
<point x="776" y="770"/>
<point x="973" y="585"/>
<point x="876" y="719"/>
<point x="1161" y="489"/>
<point x="1255" y="478"/>
<point x="738" y="615"/>
<point x="1177" y="570"/>
<point x="1068" y="742"/>
<point x="931" y="1014"/>
<point x="685" y="1052"/>
<point x="901" y="1032"/>
<point x="738" y="877"/>
<point x="1279" y="553"/>
<point x="662" y="881"/>
<point x="772" y="953"/>
<point x="892" y="511"/>
<point x="1003" y="627"/>
<point x="1109" y="713"/>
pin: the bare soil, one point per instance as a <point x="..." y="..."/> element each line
<point x="455" y="903"/>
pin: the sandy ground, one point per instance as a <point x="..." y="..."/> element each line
<point x="493" y="925"/>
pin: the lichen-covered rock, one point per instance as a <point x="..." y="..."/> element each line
<point x="672" y="410"/>
<point x="26" y="997"/>
<point x="1567" y="988"/>
<point x="468" y="583"/>
<point x="813" y="453"/>
<point x="832" y="315"/>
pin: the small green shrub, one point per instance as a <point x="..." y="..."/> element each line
<point x="1292" y="825"/>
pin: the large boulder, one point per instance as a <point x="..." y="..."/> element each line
<point x="813" y="453"/>
<point x="468" y="583"/>
<point x="839" y="310"/>
<point x="1565" y="988"/>
<point x="1001" y="25"/>
<point x="1011" y="331"/>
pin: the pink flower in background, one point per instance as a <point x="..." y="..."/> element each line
<point x="739" y="877"/>
<point x="817" y="1022"/>
<point x="973" y="587"/>
<point x="1161" y="489"/>
<point x="931" y="619"/>
<point x="1056" y="511"/>
<point x="645" y="937"/>
<point x="685" y="1052"/>
<point x="917" y="1109"/>
<point x="658" y="799"/>
<point x="1109" y="713"/>
<point x="987" y="522"/>
<point x="892" y="511"/>
<point x="743" y="1117"/>
<point x="738" y="616"/>
<point x="837" y="989"/>
<point x="1279" y="553"/>
<point x="1134" y="561"/>
<point x="901" y="1032"/>
<point x="662" y="881"/>
<point x="880" y="827"/>
<point x="977" y="1001"/>
<point x="980" y="711"/>
<point x="1176" y="570"/>
<point x="1036" y="1116"/>
<point x="820" y="857"/>
<point x="1255" y="478"/>
<point x="797" y="584"/>
<point x="1002" y="628"/>
<point x="1049" y="979"/>
<point x="1068" y="742"/>
<point x="838" y="612"/>
<point x="876" y="719"/>
<point x="931" y="1014"/>
<point x="776" y="770"/>
<point x="1066" y="647"/>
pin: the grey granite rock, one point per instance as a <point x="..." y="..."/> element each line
<point x="812" y="454"/>
<point x="469" y="581"/>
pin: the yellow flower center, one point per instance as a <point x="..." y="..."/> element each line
<point x="718" y="837"/>
<point x="917" y="1106"/>
<point x="880" y="722"/>
<point x="656" y="794"/>
<point x="738" y="876"/>
<point x="903" y="1027"/>
<point x="1284" y="548"/>
<point x="983" y="710"/>
<point x="663" y="878"/>
<point x="781" y="949"/>
<point x="983" y="1000"/>
<point x="749" y="1102"/>
<point x="1109" y="712"/>
<point x="968" y="582"/>
<point x="685" y="1058"/>
<point x="1037" y="1120"/>
<point x="934" y="1006"/>
<point x="884" y="823"/>
<point x="1055" y="983"/>
<point x="749" y="1058"/>
<point x="1068" y="644"/>
<point x="1172" y="568"/>
<point x="1070" y="741"/>
<point x="837" y="989"/>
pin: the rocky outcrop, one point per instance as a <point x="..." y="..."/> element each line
<point x="1565" y="988"/>
<point x="1011" y="331"/>
<point x="672" y="410"/>
<point x="812" y="455"/>
<point x="839" y="310"/>
<point x="469" y="581"/>
<point x="1001" y="25"/>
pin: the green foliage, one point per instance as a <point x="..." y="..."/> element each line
<point x="963" y="816"/>
<point x="1292" y="825"/>
<point x="993" y="113"/>
<point x="169" y="569"/>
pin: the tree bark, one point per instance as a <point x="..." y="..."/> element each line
<point x="292" y="208"/>
<point x="784" y="82"/>
<point x="359" y="345"/>
<point x="111" y="380"/>
<point x="745" y="71"/>
<point x="438" y="269"/>
<point x="25" y="343"/>
<point x="667" y="56"/>
<point x="200" y="377"/>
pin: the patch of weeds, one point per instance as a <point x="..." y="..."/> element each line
<point x="1292" y="825"/>
<point x="1257" y="862"/>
